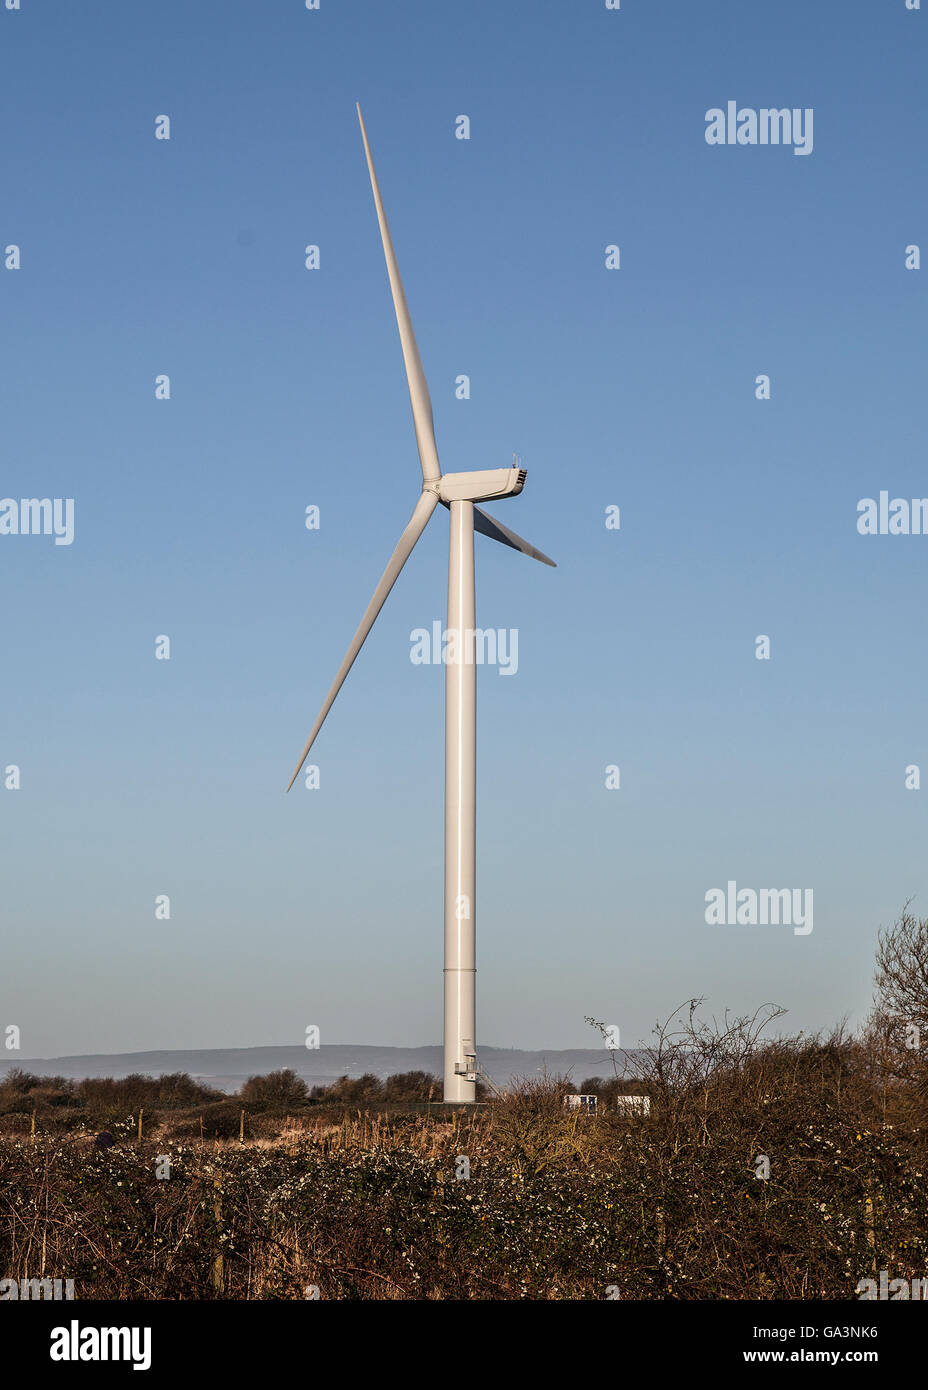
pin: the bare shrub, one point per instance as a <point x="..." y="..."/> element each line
<point x="411" y="1086"/>
<point x="351" y="1090"/>
<point x="897" y="1031"/>
<point x="277" y="1088"/>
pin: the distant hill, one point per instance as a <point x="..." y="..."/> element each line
<point x="227" y="1067"/>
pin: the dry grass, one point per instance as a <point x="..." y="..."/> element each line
<point x="366" y="1203"/>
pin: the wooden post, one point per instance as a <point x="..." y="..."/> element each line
<point x="32" y="1127"/>
<point x="871" y="1236"/>
<point x="141" y="1113"/>
<point x="241" y="1129"/>
<point x="219" y="1262"/>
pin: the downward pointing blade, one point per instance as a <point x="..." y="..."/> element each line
<point x="489" y="526"/>
<point x="415" y="376"/>
<point x="417" y="524"/>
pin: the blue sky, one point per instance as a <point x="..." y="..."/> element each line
<point x="632" y="387"/>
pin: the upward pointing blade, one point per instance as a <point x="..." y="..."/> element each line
<point x="415" y="376"/>
<point x="417" y="524"/>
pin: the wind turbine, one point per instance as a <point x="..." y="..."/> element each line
<point x="458" y="492"/>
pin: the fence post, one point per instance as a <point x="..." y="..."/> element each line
<point x="871" y="1237"/>
<point x="216" y="1274"/>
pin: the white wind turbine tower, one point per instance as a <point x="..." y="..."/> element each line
<point x="458" y="492"/>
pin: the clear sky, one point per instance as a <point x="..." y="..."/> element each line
<point x="632" y="388"/>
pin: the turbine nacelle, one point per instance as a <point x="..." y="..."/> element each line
<point x="480" y="487"/>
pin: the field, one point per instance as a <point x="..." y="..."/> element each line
<point x="790" y="1169"/>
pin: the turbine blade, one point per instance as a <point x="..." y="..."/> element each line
<point x="415" y="377"/>
<point x="417" y="524"/>
<point x="488" y="526"/>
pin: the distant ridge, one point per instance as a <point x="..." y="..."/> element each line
<point x="227" y="1067"/>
